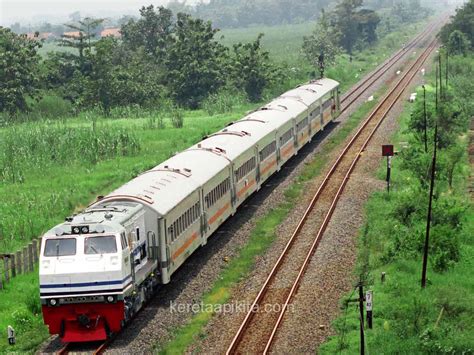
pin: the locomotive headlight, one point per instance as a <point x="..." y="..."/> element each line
<point x="53" y="302"/>
<point x="76" y="230"/>
<point x="110" y="299"/>
<point x="85" y="230"/>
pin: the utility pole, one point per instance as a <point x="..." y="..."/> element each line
<point x="447" y="67"/>
<point x="321" y="64"/>
<point x="424" y="118"/>
<point x="428" y="218"/>
<point x="440" y="77"/>
<point x="436" y="90"/>
<point x="361" y="300"/>
<point x="361" y="310"/>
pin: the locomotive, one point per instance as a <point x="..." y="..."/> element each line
<point x="99" y="267"/>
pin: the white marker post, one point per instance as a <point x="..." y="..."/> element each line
<point x="368" y="307"/>
<point x="11" y="335"/>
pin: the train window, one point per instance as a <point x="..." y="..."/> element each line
<point x="315" y="113"/>
<point x="60" y="247"/>
<point x="123" y="240"/>
<point x="286" y="136"/>
<point x="100" y="245"/>
<point x="300" y="126"/>
<point x="183" y="222"/>
<point x="268" y="150"/>
<point x="216" y="193"/>
<point x="246" y="168"/>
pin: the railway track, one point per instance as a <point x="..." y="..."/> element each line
<point x="260" y="325"/>
<point x="350" y="97"/>
<point x="79" y="348"/>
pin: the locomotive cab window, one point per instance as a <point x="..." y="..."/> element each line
<point x="100" y="245"/>
<point x="60" y="247"/>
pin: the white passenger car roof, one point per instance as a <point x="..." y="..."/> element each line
<point x="309" y="93"/>
<point x="166" y="185"/>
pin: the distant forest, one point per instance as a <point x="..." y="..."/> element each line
<point x="244" y="13"/>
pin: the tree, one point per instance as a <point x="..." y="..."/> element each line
<point x="346" y="22"/>
<point x="153" y="31"/>
<point x="195" y="63"/>
<point x="463" y="21"/>
<point x="368" y="21"/>
<point x="117" y="77"/>
<point x="18" y="70"/>
<point x="252" y="70"/>
<point x="458" y="43"/>
<point x="81" y="37"/>
<point x="323" y="40"/>
<point x="454" y="155"/>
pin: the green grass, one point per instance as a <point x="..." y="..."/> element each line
<point x="55" y="47"/>
<point x="22" y="310"/>
<point x="49" y="193"/>
<point x="408" y="319"/>
<point x="282" y="42"/>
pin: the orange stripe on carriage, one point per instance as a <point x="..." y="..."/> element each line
<point x="285" y="152"/>
<point x="268" y="167"/>
<point x="304" y="136"/>
<point x="219" y="213"/>
<point x="185" y="246"/>
<point x="245" y="188"/>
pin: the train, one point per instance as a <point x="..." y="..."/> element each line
<point x="100" y="266"/>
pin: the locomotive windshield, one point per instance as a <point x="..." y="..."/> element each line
<point x="100" y="245"/>
<point x="60" y="247"/>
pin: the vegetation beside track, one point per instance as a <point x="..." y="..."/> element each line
<point x="49" y="193"/>
<point x="407" y="318"/>
<point x="260" y="239"/>
<point x="38" y="195"/>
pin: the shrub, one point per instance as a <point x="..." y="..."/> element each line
<point x="444" y="247"/>
<point x="52" y="106"/>
<point x="177" y="117"/>
<point x="222" y="102"/>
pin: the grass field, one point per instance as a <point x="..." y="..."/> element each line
<point x="407" y="318"/>
<point x="47" y="190"/>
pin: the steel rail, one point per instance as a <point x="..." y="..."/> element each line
<point x="236" y="340"/>
<point x="323" y="227"/>
<point x="100" y="349"/>
<point x="384" y="67"/>
<point x="64" y="350"/>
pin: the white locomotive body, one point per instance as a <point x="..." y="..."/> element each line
<point x="100" y="266"/>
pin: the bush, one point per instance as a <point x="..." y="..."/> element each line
<point x="177" y="117"/>
<point x="52" y="106"/>
<point x="444" y="247"/>
<point x="222" y="102"/>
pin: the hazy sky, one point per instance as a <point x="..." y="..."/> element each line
<point x="56" y="11"/>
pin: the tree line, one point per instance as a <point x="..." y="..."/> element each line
<point x="159" y="57"/>
<point x="232" y="13"/>
<point x="162" y="58"/>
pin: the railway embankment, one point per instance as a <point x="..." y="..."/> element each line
<point x="409" y="318"/>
